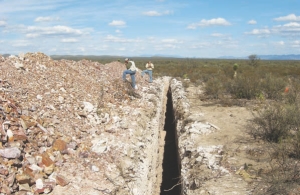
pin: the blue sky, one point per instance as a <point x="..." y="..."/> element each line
<point x="186" y="28"/>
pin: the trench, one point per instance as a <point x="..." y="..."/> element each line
<point x="171" y="164"/>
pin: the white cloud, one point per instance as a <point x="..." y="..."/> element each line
<point x="289" y="29"/>
<point x="217" y="35"/>
<point x="278" y="43"/>
<point x="211" y="22"/>
<point x="34" y="31"/>
<point x="252" y="22"/>
<point x="165" y="46"/>
<point x="292" y="24"/>
<point x="118" y="31"/>
<point x="69" y="40"/>
<point x="155" y="13"/>
<point x="290" y="17"/>
<point x="45" y="19"/>
<point x="259" y="32"/>
<point x="118" y="23"/>
<point x="111" y="38"/>
<point x="32" y="35"/>
<point x="115" y="39"/>
<point x="170" y="41"/>
<point x="82" y="49"/>
<point x="2" y="23"/>
<point x="152" y="13"/>
<point x="21" y="43"/>
<point x="295" y="43"/>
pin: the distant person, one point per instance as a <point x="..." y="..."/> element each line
<point x="131" y="70"/>
<point x="149" y="67"/>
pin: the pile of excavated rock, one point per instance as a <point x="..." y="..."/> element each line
<point x="75" y="127"/>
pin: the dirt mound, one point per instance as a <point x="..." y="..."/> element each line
<point x="64" y="123"/>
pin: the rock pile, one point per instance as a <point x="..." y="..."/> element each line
<point x="76" y="127"/>
<point x="198" y="163"/>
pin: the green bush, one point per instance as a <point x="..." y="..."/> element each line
<point x="245" y="86"/>
<point x="273" y="87"/>
<point x="291" y="95"/>
<point x="296" y="145"/>
<point x="214" y="88"/>
<point x="272" y="124"/>
<point x="283" y="177"/>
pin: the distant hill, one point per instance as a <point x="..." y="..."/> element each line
<point x="280" y="57"/>
<point x="267" y="57"/>
<point x="5" y="55"/>
<point x="231" y="57"/>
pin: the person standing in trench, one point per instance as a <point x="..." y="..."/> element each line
<point x="131" y="70"/>
<point x="149" y="67"/>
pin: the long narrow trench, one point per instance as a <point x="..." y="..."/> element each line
<point x="171" y="164"/>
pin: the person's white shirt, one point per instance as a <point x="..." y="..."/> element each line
<point x="132" y="67"/>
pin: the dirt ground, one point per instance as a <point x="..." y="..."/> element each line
<point x="243" y="156"/>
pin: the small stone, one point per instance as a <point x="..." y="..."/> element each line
<point x="19" y="135"/>
<point x="72" y="145"/>
<point x="39" y="184"/>
<point x="95" y="168"/>
<point x="11" y="179"/>
<point x="59" y="145"/>
<point x="19" y="65"/>
<point x="46" y="160"/>
<point x="61" y="99"/>
<point x="31" y="160"/>
<point x="5" y="189"/>
<point x="61" y="180"/>
<point x="23" y="178"/>
<point x="3" y="171"/>
<point x="49" y="169"/>
<point x="48" y="187"/>
<point x="10" y="135"/>
<point x="39" y="97"/>
<point x="12" y="152"/>
<point x="88" y="107"/>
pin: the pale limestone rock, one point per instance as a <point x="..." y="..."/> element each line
<point x="88" y="107"/>
<point x="99" y="145"/>
<point x="19" y="65"/>
<point x="39" y="184"/>
<point x="12" y="152"/>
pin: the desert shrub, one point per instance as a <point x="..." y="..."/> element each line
<point x="273" y="87"/>
<point x="295" y="142"/>
<point x="272" y="124"/>
<point x="283" y="177"/>
<point x="245" y="86"/>
<point x="228" y="71"/>
<point x="253" y="60"/>
<point x="214" y="88"/>
<point x="291" y="95"/>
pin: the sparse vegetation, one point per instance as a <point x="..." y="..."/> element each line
<point x="276" y="120"/>
<point x="253" y="60"/>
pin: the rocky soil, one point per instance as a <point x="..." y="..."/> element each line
<point x="218" y="155"/>
<point x="74" y="127"/>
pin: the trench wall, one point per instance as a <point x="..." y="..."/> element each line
<point x="181" y="110"/>
<point x="153" y="164"/>
<point x="151" y="182"/>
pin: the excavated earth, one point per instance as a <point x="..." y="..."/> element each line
<point x="74" y="127"/>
